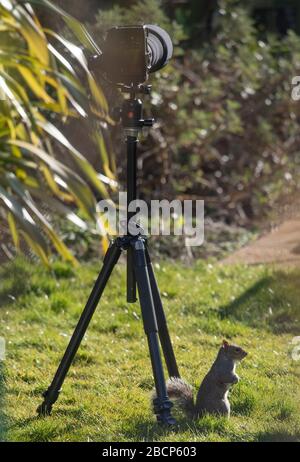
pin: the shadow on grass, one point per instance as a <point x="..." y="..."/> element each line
<point x="278" y="437"/>
<point x="3" y="418"/>
<point x="21" y="276"/>
<point x="14" y="277"/>
<point x="149" y="431"/>
<point x="144" y="430"/>
<point x="273" y="302"/>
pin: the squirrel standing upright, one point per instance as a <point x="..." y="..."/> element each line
<point x="212" y="397"/>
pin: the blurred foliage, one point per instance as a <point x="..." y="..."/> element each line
<point x="142" y="12"/>
<point x="227" y="129"/>
<point x="39" y="89"/>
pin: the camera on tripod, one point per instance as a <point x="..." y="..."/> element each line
<point x="131" y="53"/>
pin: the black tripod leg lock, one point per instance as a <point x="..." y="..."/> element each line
<point x="51" y="396"/>
<point x="139" y="253"/>
<point x="162" y="410"/>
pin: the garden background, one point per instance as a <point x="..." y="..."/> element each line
<point x="227" y="132"/>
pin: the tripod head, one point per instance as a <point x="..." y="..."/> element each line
<point x="131" y="112"/>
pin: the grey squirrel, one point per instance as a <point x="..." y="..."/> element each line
<point x="212" y="397"/>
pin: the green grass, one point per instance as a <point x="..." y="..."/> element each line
<point x="106" y="396"/>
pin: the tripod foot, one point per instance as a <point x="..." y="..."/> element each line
<point x="50" y="397"/>
<point x="162" y="410"/>
<point x="44" y="409"/>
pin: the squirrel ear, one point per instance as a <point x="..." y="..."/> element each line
<point x="225" y="344"/>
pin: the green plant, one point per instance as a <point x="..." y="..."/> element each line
<point x="41" y="88"/>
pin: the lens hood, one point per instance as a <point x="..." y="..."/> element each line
<point x="160" y="47"/>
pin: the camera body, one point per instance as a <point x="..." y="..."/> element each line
<point x="125" y="57"/>
<point x="131" y="53"/>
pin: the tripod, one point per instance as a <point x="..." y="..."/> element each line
<point x="140" y="275"/>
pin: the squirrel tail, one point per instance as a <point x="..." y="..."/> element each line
<point x="182" y="393"/>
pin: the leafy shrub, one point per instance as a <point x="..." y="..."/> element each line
<point x="39" y="89"/>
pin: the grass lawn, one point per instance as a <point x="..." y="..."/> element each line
<point x="106" y="394"/>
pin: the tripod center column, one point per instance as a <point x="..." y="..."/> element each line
<point x="132" y="113"/>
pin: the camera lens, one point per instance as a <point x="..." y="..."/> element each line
<point x="160" y="47"/>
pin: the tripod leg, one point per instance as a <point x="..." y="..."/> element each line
<point x="163" y="330"/>
<point x="162" y="404"/>
<point x="131" y="282"/>
<point x="51" y="395"/>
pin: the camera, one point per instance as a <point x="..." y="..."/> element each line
<point x="131" y="53"/>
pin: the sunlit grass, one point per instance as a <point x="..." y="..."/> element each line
<point x="106" y="396"/>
